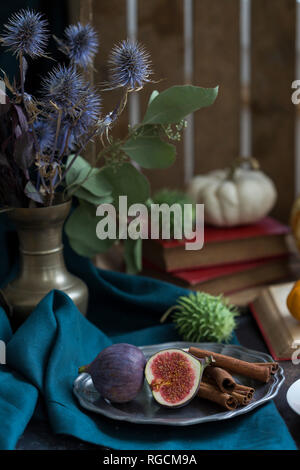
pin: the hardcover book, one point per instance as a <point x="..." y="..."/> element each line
<point x="226" y="279"/>
<point x="279" y="328"/>
<point x="221" y="246"/>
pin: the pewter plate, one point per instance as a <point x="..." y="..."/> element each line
<point x="144" y="410"/>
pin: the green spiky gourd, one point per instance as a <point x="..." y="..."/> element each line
<point x="203" y="317"/>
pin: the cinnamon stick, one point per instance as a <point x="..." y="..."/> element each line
<point x="245" y="391"/>
<point x="241" y="390"/>
<point x="234" y="365"/>
<point x="240" y="387"/>
<point x="211" y="393"/>
<point x="248" y="395"/>
<point x="221" y="377"/>
<point x="242" y="399"/>
<point x="272" y="365"/>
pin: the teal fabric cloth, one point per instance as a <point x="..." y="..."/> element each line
<point x="43" y="357"/>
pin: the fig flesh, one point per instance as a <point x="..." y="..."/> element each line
<point x="118" y="372"/>
<point x="174" y="377"/>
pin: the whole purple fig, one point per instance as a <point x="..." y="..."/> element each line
<point x="118" y="372"/>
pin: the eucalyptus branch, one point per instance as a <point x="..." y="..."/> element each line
<point x="118" y="110"/>
<point x="90" y="137"/>
<point x="78" y="185"/>
<point x="89" y="174"/>
<point x="106" y="149"/>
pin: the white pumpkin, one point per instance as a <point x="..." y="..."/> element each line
<point x="235" y="196"/>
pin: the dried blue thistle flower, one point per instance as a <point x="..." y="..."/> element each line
<point x="26" y="33"/>
<point x="64" y="88"/>
<point x="66" y="140"/>
<point x="80" y="44"/>
<point x="130" y="65"/>
<point x="89" y="111"/>
<point x="45" y="135"/>
<point x="81" y="122"/>
<point x="78" y="121"/>
<point x="67" y="92"/>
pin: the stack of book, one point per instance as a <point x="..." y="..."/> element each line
<point x="231" y="260"/>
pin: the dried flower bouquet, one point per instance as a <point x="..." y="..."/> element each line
<point x="42" y="137"/>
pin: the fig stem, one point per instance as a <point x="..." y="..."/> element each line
<point x="82" y="369"/>
<point x="208" y="360"/>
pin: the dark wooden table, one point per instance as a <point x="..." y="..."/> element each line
<point x="38" y="435"/>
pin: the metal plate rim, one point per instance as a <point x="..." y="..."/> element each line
<point x="222" y="415"/>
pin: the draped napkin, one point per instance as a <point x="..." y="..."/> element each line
<point x="44" y="354"/>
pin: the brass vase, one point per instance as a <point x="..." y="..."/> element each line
<point x="42" y="263"/>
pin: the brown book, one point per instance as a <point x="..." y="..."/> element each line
<point x="226" y="279"/>
<point x="221" y="246"/>
<point x="279" y="328"/>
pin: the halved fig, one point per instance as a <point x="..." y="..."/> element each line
<point x="174" y="376"/>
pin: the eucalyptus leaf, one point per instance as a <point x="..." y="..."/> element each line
<point x="97" y="184"/>
<point x="150" y="152"/>
<point x="32" y="193"/>
<point x="153" y="95"/>
<point x="175" y="103"/>
<point x="81" y="248"/>
<point x="133" y="255"/>
<point x="91" y="179"/>
<point x="127" y="181"/>
<point x="87" y="196"/>
<point x="78" y="171"/>
<point x="81" y="230"/>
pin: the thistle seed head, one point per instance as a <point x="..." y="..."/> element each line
<point x="26" y="33"/>
<point x="130" y="65"/>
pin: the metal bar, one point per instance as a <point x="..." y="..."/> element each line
<point x="132" y="33"/>
<point x="245" y="75"/>
<point x="188" y="143"/>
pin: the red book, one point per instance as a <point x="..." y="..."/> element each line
<point x="222" y="246"/>
<point x="226" y="279"/>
